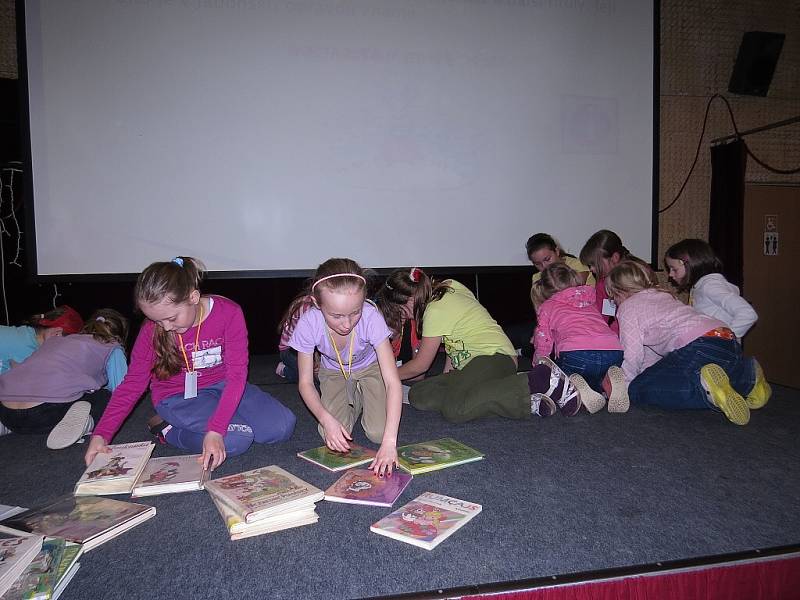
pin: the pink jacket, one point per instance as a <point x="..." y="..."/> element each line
<point x="652" y="324"/>
<point x="570" y="321"/>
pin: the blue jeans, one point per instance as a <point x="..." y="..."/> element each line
<point x="674" y="381"/>
<point x="259" y="417"/>
<point x="290" y="372"/>
<point x="592" y="365"/>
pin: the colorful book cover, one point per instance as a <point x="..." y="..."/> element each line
<point x="170" y="474"/>
<point x="39" y="579"/>
<point x="121" y="462"/>
<point x="72" y="552"/>
<point x="427" y="520"/>
<point x="337" y="461"/>
<point x="362" y="486"/>
<point x="238" y="529"/>
<point x="263" y="492"/>
<point x="88" y="520"/>
<point x="16" y="553"/>
<point x="437" y="454"/>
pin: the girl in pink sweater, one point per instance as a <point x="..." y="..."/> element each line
<point x="677" y="358"/>
<point x="586" y="349"/>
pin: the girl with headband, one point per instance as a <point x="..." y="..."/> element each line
<point x="357" y="375"/>
<point x="192" y="353"/>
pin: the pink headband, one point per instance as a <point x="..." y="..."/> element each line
<point x="321" y="279"/>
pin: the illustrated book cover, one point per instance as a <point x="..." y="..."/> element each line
<point x="424" y="457"/>
<point x="115" y="472"/>
<point x="263" y="492"/>
<point x="239" y="530"/>
<point x="337" y="461"/>
<point x="39" y="579"/>
<point x="16" y="553"/>
<point x="170" y="474"/>
<point x="87" y="520"/>
<point x="362" y="486"/>
<point x="427" y="520"/>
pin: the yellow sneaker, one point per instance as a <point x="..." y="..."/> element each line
<point x="761" y="392"/>
<point x="715" y="381"/>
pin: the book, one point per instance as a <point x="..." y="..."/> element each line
<point x="337" y="461"/>
<point x="169" y="475"/>
<point x="16" y="553"/>
<point x="87" y="520"/>
<point x="263" y="492"/>
<point x="427" y="520"/>
<point x="38" y="581"/>
<point x="437" y="454"/>
<point x="362" y="486"/>
<point x="240" y="530"/>
<point x="115" y="472"/>
<point x="7" y="511"/>
<point x="67" y="568"/>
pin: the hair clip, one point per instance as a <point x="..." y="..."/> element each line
<point x="178" y="261"/>
<point x="101" y="319"/>
<point x="389" y="287"/>
<point x="414" y="274"/>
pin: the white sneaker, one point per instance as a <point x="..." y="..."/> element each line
<point x="592" y="400"/>
<point x="72" y="427"/>
<point x="4" y="430"/>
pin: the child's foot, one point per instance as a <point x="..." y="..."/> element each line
<point x="76" y="423"/>
<point x="280" y="370"/>
<point x="589" y="398"/>
<point x="715" y="382"/>
<point x="542" y="405"/>
<point x="617" y="390"/>
<point x="159" y="428"/>
<point x="560" y="390"/>
<point x="761" y="392"/>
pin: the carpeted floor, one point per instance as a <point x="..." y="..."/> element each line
<point x="559" y="496"/>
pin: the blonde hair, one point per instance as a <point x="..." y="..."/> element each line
<point x="553" y="279"/>
<point x="629" y="277"/>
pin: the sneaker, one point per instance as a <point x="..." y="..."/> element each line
<point x="592" y="400"/>
<point x="4" y="430"/>
<point x="618" y="400"/>
<point x="280" y="370"/>
<point x="542" y="405"/>
<point x="76" y="423"/>
<point x="761" y="391"/>
<point x="561" y="390"/>
<point x="715" y="382"/>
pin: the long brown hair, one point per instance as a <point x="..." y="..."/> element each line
<point x="108" y="326"/>
<point x="403" y="284"/>
<point x="698" y="259"/>
<point x="173" y="281"/>
<point x="603" y="244"/>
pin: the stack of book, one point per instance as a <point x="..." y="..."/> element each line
<point x="49" y="573"/>
<point x="16" y="553"/>
<point x="115" y="472"/>
<point x="86" y="520"/>
<point x="263" y="500"/>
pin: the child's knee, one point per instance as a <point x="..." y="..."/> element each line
<point x="283" y="428"/>
<point x="374" y="434"/>
<point x="238" y="439"/>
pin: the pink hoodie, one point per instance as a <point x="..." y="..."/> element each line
<point x="570" y="320"/>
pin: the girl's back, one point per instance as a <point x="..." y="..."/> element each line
<point x="571" y="320"/>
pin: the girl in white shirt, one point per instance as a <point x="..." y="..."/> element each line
<point x="693" y="266"/>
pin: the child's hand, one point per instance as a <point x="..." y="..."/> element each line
<point x="96" y="445"/>
<point x="385" y="460"/>
<point x="336" y="436"/>
<point x="213" y="451"/>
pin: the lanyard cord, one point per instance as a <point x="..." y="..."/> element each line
<point x="190" y="369"/>
<point x="339" y="357"/>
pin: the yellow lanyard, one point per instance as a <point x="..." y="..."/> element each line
<point x="190" y="368"/>
<point x="339" y="357"/>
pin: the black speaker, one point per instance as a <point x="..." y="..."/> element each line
<point x="755" y="64"/>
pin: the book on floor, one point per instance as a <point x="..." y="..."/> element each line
<point x="362" y="486"/>
<point x="87" y="520"/>
<point x="427" y="520"/>
<point x="263" y="492"/>
<point x="39" y="579"/>
<point x="170" y="474"/>
<point x="16" y="553"/>
<point x="238" y="529"/>
<point x="67" y="568"/>
<point x="7" y="511"/>
<point x="434" y="455"/>
<point x="337" y="461"/>
<point x="114" y="472"/>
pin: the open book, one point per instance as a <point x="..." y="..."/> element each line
<point x="437" y="454"/>
<point x="427" y="520"/>
<point x="115" y="472"/>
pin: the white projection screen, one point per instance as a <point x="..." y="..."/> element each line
<point x="270" y="135"/>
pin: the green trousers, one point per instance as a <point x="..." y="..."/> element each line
<point x="487" y="385"/>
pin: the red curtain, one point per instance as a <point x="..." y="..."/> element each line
<point x="763" y="580"/>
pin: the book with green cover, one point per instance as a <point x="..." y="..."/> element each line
<point x="338" y="461"/>
<point x="437" y="454"/>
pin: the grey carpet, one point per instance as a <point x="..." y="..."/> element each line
<point x="559" y="496"/>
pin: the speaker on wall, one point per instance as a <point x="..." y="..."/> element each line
<point x="755" y="64"/>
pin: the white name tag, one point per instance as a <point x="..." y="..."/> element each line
<point x="190" y="385"/>
<point x="609" y="307"/>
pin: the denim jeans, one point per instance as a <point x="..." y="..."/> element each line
<point x="290" y="371"/>
<point x="674" y="381"/>
<point x="592" y="365"/>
